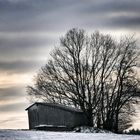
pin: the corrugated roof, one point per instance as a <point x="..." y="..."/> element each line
<point x="68" y="108"/>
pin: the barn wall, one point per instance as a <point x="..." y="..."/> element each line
<point x="40" y="115"/>
<point x="33" y="116"/>
<point x="51" y="115"/>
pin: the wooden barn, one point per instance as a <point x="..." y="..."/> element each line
<point x="50" y="116"/>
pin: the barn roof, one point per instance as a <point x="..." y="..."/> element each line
<point x="60" y="106"/>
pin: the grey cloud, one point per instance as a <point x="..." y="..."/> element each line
<point x="56" y="16"/>
<point x="14" y="97"/>
<point x="26" y="42"/>
<point x="40" y="15"/>
<point x="31" y="15"/>
<point x="21" y="52"/>
<point x="125" y="22"/>
<point x="20" y="66"/>
<point x="114" y="6"/>
<point x="14" y="107"/>
<point x="18" y="46"/>
<point x="111" y="14"/>
<point x="61" y="15"/>
<point x="13" y="119"/>
<point x="12" y="93"/>
<point x="12" y="41"/>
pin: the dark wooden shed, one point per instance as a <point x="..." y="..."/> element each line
<point x="52" y="116"/>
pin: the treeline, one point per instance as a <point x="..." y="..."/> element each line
<point x="133" y="132"/>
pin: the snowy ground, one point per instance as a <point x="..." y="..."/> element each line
<point x="42" y="135"/>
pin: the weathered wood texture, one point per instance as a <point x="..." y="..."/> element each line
<point x="53" y="115"/>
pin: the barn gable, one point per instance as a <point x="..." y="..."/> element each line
<point x="50" y="115"/>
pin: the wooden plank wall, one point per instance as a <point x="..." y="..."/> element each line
<point x="54" y="116"/>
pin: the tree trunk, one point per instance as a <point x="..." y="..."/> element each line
<point x="116" y="123"/>
<point x="98" y="120"/>
<point x="89" y="118"/>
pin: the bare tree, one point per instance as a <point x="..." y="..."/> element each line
<point x="95" y="74"/>
<point x="125" y="118"/>
<point x="124" y="85"/>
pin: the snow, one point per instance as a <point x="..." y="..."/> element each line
<point x="44" y="135"/>
<point x="44" y="125"/>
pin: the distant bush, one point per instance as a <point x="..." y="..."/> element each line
<point x="133" y="132"/>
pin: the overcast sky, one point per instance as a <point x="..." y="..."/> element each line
<point x="29" y="29"/>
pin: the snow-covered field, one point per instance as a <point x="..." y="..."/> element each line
<point x="42" y="135"/>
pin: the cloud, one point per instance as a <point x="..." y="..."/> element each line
<point x="12" y="119"/>
<point x="31" y="15"/>
<point x="14" y="107"/>
<point x="24" y="52"/>
<point x="61" y="15"/>
<point x="20" y="40"/>
<point x="110" y="6"/>
<point x="23" y="45"/>
<point x="20" y="66"/>
<point x="12" y="93"/>
<point x="126" y="22"/>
